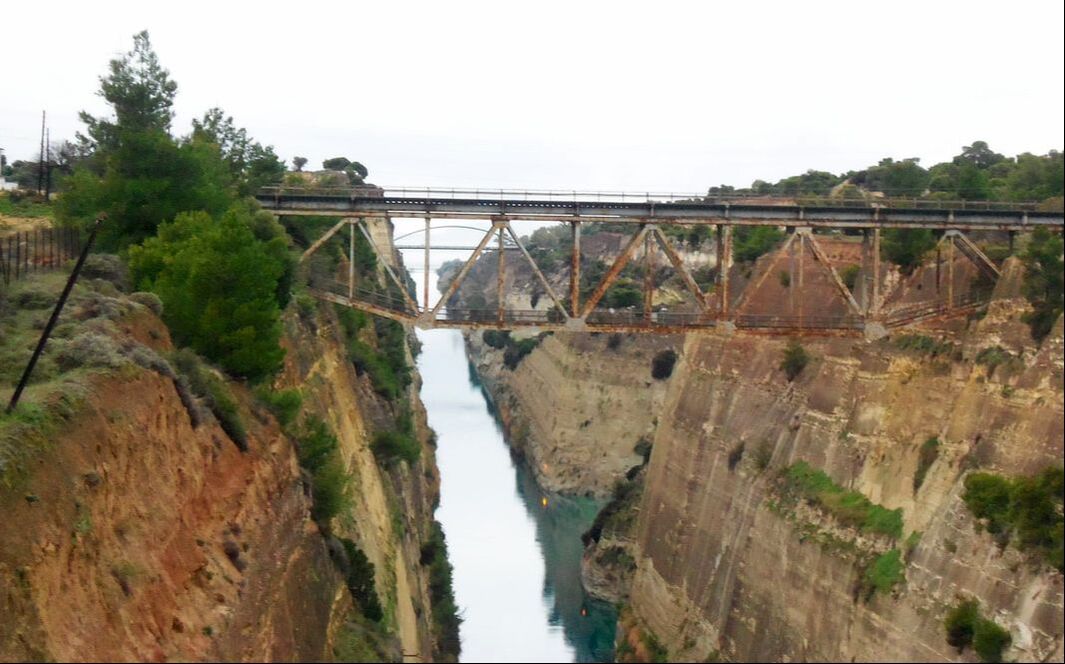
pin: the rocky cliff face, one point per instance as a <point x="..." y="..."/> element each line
<point x="136" y="529"/>
<point x="710" y="547"/>
<point x="723" y="565"/>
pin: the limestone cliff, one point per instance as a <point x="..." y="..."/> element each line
<point x="708" y="546"/>
<point x="135" y="527"/>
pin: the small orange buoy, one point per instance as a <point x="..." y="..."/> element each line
<point x="543" y="501"/>
<point x="584" y="611"/>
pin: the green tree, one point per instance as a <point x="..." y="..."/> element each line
<point x="298" y="163"/>
<point x="250" y="164"/>
<point x="137" y="173"/>
<point x="1043" y="280"/>
<point x="139" y="91"/>
<point x="906" y="247"/>
<point x="219" y="282"/>
<point x="147" y="179"/>
<point x="979" y="155"/>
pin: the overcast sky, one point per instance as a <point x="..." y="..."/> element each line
<point x="611" y="96"/>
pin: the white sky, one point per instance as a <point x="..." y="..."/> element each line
<point x="660" y="96"/>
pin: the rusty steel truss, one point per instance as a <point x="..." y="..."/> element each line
<point x="714" y="309"/>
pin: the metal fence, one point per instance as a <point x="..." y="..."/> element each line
<point x="30" y="252"/>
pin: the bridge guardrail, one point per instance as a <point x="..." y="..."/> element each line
<point x="575" y="195"/>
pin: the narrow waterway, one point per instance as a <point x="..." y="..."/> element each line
<point x="515" y="549"/>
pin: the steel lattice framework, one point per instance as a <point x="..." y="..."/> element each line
<point x="646" y="213"/>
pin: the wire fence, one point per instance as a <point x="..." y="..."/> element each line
<point x="40" y="250"/>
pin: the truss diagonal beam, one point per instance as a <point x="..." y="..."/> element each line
<point x="978" y="257"/>
<point x="753" y="288"/>
<point x="388" y="268"/>
<point x="615" y="270"/>
<point x="465" y="270"/>
<point x="536" y="269"/>
<point x="681" y="268"/>
<point x="322" y="240"/>
<point x="836" y="280"/>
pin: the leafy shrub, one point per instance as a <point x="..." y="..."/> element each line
<point x="284" y="404"/>
<point x="924" y="344"/>
<point x="319" y="455"/>
<point x="784" y="278"/>
<point x="795" y="360"/>
<point x="906" y="247"/>
<point x="1043" y="276"/>
<point x="210" y="387"/>
<point x="926" y="457"/>
<point x="849" y="276"/>
<point x="993" y="356"/>
<point x="517" y="350"/>
<point x="883" y="574"/>
<point x="850" y="508"/>
<point x="613" y="342"/>
<point x="990" y="640"/>
<point x="445" y="612"/>
<point x="390" y="445"/>
<point x="149" y="300"/>
<point x="359" y="577"/>
<point x="222" y="286"/>
<point x="1026" y="510"/>
<point x="108" y="267"/>
<point x="966" y="627"/>
<point x="662" y="364"/>
<point x="496" y="338"/>
<point x="750" y="242"/>
<point x="960" y="624"/>
<point x="89" y="349"/>
<point x="34" y="296"/>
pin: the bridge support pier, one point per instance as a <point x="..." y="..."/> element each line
<point x="724" y="263"/>
<point x="425" y="275"/>
<point x="575" y="270"/>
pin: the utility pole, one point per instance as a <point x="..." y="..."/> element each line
<point x="40" y="161"/>
<point x="48" y="164"/>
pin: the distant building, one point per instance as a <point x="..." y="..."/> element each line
<point x="7" y="186"/>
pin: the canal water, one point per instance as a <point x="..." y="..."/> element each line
<point x="515" y="549"/>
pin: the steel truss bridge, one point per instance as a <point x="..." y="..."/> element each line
<point x="644" y="214"/>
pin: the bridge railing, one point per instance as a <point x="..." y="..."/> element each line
<point x="910" y="313"/>
<point x="584" y="196"/>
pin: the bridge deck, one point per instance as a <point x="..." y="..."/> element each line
<point x="762" y="212"/>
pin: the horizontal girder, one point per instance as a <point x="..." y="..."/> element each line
<point x="711" y="212"/>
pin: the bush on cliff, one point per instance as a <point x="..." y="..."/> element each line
<point x="446" y="619"/>
<point x="222" y="286"/>
<point x="795" y="360"/>
<point x="212" y="388"/>
<point x="318" y="453"/>
<point x="662" y="364"/>
<point x="390" y="446"/>
<point x="850" y="508"/>
<point x="1043" y="281"/>
<point x="966" y="627"/>
<point x="1024" y="510"/>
